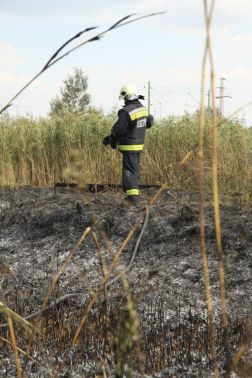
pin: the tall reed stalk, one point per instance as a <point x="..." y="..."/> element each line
<point x="216" y="200"/>
<point x="201" y="201"/>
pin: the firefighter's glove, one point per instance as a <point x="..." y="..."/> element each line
<point x="106" y="140"/>
<point x="113" y="141"/>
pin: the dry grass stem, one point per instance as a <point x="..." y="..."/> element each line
<point x="104" y="270"/>
<point x="216" y="201"/>
<point x="26" y="325"/>
<point x="239" y="354"/>
<point x="49" y="292"/>
<point x="201" y="199"/>
<point x="31" y="358"/>
<point x="130" y="306"/>
<point x="13" y="338"/>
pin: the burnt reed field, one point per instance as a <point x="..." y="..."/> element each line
<point x="38" y="231"/>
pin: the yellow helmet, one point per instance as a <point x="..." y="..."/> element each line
<point x="127" y="90"/>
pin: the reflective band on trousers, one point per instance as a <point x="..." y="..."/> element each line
<point x="132" y="192"/>
<point x="132" y="147"/>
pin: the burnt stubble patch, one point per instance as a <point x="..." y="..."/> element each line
<point x="38" y="230"/>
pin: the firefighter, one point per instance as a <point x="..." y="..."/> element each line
<point x="128" y="134"/>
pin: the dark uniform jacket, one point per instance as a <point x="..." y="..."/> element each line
<point x="131" y="125"/>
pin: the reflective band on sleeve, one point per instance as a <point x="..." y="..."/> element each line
<point x="125" y="194"/>
<point x="132" y="192"/>
<point x="131" y="147"/>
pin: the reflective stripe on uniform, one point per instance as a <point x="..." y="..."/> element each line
<point x="132" y="192"/>
<point x="137" y="110"/>
<point x="125" y="194"/>
<point x="143" y="113"/>
<point x="131" y="147"/>
<point x="138" y="113"/>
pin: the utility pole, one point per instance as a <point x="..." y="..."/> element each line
<point x="149" y="97"/>
<point x="221" y="97"/>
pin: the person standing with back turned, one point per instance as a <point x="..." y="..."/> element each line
<point x="128" y="133"/>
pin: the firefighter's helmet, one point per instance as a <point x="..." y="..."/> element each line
<point x="127" y="90"/>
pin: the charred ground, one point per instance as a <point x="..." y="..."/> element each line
<point x="39" y="228"/>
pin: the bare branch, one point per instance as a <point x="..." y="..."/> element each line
<point x="66" y="43"/>
<point x="118" y="22"/>
<point x="51" y="61"/>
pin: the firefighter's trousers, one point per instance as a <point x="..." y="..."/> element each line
<point x="130" y="176"/>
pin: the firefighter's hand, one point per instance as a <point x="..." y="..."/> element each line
<point x="106" y="140"/>
<point x="113" y="142"/>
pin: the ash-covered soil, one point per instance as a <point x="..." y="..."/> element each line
<point x="38" y="230"/>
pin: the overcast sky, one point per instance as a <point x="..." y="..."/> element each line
<point x="165" y="49"/>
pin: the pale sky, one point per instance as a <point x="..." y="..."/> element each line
<point x="165" y="49"/>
